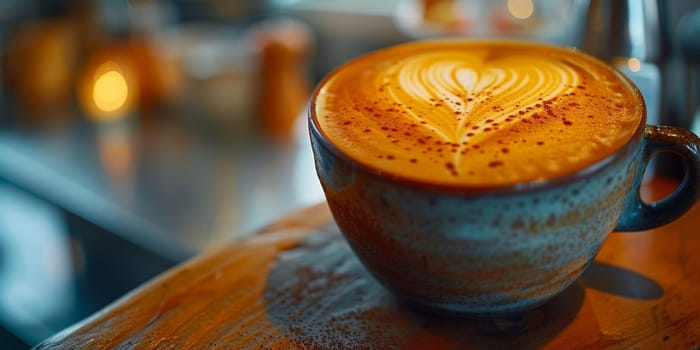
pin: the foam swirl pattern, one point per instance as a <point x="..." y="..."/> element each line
<point x="476" y="113"/>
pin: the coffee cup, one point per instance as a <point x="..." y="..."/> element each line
<point x="479" y="178"/>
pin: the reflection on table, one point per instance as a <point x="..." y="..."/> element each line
<point x="165" y="191"/>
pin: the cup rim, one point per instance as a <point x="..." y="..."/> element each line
<point x="456" y="188"/>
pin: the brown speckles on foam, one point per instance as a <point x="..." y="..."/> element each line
<point x="451" y="168"/>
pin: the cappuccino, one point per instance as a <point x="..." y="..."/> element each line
<point x="476" y="113"/>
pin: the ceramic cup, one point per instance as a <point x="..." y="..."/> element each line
<point x="497" y="251"/>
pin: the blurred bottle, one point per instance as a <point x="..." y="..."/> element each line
<point x="39" y="65"/>
<point x="284" y="46"/>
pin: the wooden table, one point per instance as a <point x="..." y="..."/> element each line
<point x="299" y="286"/>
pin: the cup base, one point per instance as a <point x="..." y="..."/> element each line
<point x="500" y="323"/>
<point x="458" y="311"/>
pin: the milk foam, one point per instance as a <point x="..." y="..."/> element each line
<point x="476" y="113"/>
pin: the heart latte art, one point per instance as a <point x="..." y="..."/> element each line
<point x="476" y="113"/>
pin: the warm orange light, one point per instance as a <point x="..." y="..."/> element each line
<point x="110" y="90"/>
<point x="521" y="9"/>
<point x="107" y="91"/>
<point x="634" y="64"/>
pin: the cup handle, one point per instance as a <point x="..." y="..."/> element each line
<point x="637" y="215"/>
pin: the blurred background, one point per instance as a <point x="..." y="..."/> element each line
<point x="135" y="134"/>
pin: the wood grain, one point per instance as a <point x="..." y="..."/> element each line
<point x="299" y="286"/>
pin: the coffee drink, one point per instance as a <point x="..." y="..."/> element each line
<point x="480" y="178"/>
<point x="478" y="113"/>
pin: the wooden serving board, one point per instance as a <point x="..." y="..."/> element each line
<point x="298" y="285"/>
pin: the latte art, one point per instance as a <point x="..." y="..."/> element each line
<point x="472" y="89"/>
<point x="476" y="113"/>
